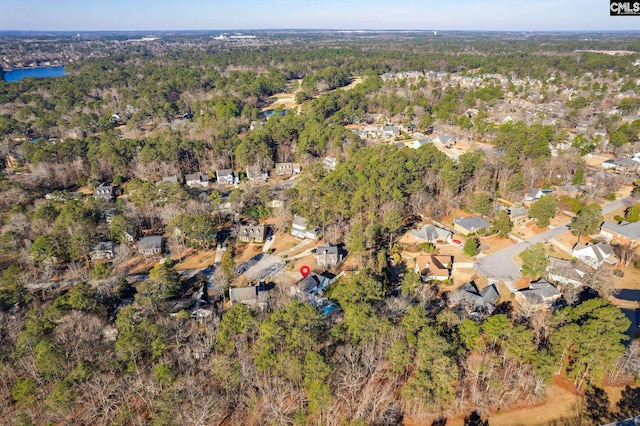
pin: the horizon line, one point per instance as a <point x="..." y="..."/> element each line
<point x="350" y="30"/>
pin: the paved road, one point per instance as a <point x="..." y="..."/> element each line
<point x="500" y="265"/>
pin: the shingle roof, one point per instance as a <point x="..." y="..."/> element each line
<point x="471" y="223"/>
<point x="630" y="230"/>
<point x="150" y="242"/>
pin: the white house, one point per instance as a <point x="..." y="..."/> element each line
<point x="300" y="229"/>
<point x="595" y="255"/>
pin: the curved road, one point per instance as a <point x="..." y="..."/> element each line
<point x="500" y="265"/>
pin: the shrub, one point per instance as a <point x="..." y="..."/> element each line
<point x="618" y="273"/>
<point x="428" y="247"/>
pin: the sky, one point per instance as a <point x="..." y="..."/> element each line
<point x="156" y="15"/>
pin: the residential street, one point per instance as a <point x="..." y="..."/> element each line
<point x="500" y="265"/>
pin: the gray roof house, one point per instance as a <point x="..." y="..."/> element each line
<point x="225" y="177"/>
<point x="150" y="245"/>
<point x="328" y="255"/>
<point x="312" y="285"/>
<point x="446" y="140"/>
<point x="420" y="143"/>
<point x="482" y="301"/>
<point x="170" y="179"/>
<point x="104" y="191"/>
<point x="197" y="179"/>
<point x="300" y="229"/>
<point x="540" y="293"/>
<point x="621" y="233"/>
<point x="250" y="296"/>
<point x="255" y="173"/>
<point x="564" y="272"/>
<point x="595" y="255"/>
<point x="288" y="168"/>
<point x="255" y="233"/>
<point x="330" y="163"/>
<point x="102" y="250"/>
<point x="431" y="234"/>
<point x="469" y="225"/>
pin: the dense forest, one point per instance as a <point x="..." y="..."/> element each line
<point x="86" y="342"/>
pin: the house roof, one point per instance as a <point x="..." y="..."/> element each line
<point x="481" y="300"/>
<point x="243" y="294"/>
<point x="172" y="179"/>
<point x="252" y="231"/>
<point x="600" y="251"/>
<point x="430" y="233"/>
<point x="150" y="242"/>
<point x="471" y="223"/>
<point x="299" y="221"/>
<point x="565" y="269"/>
<point x="540" y="291"/>
<point x="196" y="177"/>
<point x="103" y="246"/>
<point x="328" y="249"/>
<point x="630" y="230"/>
<point x="224" y="173"/>
<point x="446" y="138"/>
<point x="518" y="212"/>
<point x="437" y="265"/>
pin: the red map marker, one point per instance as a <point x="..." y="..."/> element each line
<point x="305" y="271"/>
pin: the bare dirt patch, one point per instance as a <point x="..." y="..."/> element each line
<point x="198" y="260"/>
<point x="245" y="252"/>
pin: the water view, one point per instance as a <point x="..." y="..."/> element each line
<point x="43" y="72"/>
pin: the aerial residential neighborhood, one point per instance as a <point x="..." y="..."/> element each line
<point x="320" y="227"/>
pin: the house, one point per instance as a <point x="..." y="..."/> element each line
<point x="625" y="233"/>
<point x="197" y="180"/>
<point x="431" y="234"/>
<point x="469" y="225"/>
<point x="445" y="140"/>
<point x="150" y="245"/>
<point x="252" y="233"/>
<point x="483" y="301"/>
<point x="535" y="194"/>
<point x="434" y="267"/>
<point x="328" y="255"/>
<point x="225" y="177"/>
<point x="170" y="179"/>
<point x="330" y="163"/>
<point x="311" y="286"/>
<point x="595" y="255"/>
<point x="517" y="215"/>
<point x="300" y="229"/>
<point x="540" y="294"/>
<point x="104" y="191"/>
<point x="250" y="296"/>
<point x="255" y="173"/>
<point x="288" y="168"/>
<point x="390" y="131"/>
<point x="565" y="272"/>
<point x="102" y="250"/>
<point x="420" y="142"/>
<point x="623" y="165"/>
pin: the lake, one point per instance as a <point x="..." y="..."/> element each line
<point x="42" y="72"/>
